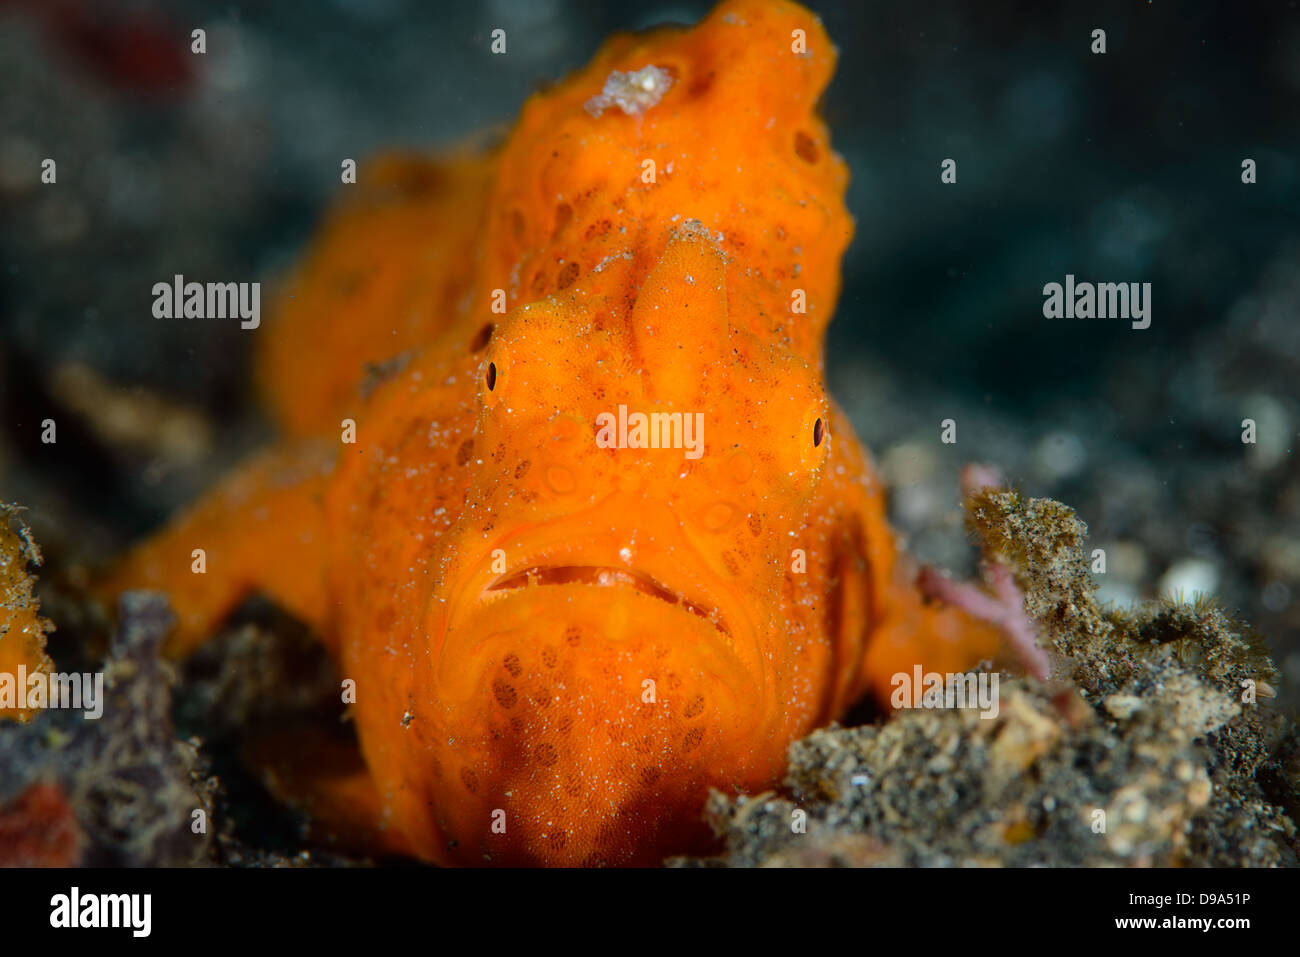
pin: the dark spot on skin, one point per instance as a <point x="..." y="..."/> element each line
<point x="550" y="658"/>
<point x="599" y="228"/>
<point x="522" y="469"/>
<point x="755" y="524"/>
<point x="805" y="147"/>
<point x="573" y="635"/>
<point x="345" y="284"/>
<point x="469" y="779"/>
<point x="512" y="665"/>
<point x="701" y="84"/>
<point x="649" y="776"/>
<point x="413" y="180"/>
<point x="546" y="754"/>
<point x="694" y="707"/>
<point x="567" y="275"/>
<point x="563" y="213"/>
<point x="481" y="338"/>
<point x="504" y="693"/>
<point x="465" y="452"/>
<point x="692" y="739"/>
<point x="376" y="374"/>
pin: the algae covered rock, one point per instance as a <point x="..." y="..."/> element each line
<point x="119" y="789"/>
<point x="1154" y="743"/>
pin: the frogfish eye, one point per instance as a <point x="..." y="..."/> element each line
<point x="491" y="377"/>
<point x="819" y="432"/>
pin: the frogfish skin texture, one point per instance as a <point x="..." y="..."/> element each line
<point x="560" y="639"/>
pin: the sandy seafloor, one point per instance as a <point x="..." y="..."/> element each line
<point x="1121" y="167"/>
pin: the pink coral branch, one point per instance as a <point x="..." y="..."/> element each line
<point x="1005" y="608"/>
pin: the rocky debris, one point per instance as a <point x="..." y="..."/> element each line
<point x="134" y="789"/>
<point x="263" y="676"/>
<point x="129" y="788"/>
<point x="134" y="419"/>
<point x="264" y="669"/>
<point x="39" y="829"/>
<point x="1154" y="745"/>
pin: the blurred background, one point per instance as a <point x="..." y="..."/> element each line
<point x="1120" y="167"/>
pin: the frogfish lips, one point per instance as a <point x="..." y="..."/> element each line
<point x="608" y="577"/>
<point x="635" y="584"/>
<point x="597" y="703"/>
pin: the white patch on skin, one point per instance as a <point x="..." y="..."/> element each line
<point x="633" y="93"/>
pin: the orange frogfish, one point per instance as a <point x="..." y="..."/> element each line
<point x="560" y="485"/>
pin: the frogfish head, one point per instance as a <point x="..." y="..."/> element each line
<point x="610" y="634"/>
